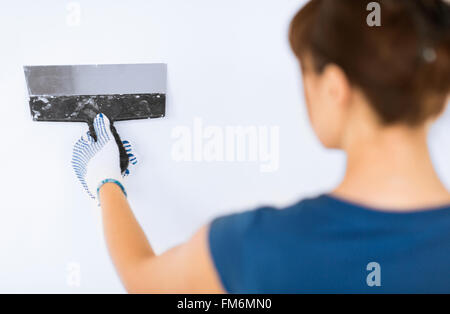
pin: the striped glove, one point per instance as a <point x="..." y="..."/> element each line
<point x="98" y="162"/>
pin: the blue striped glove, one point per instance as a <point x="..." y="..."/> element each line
<point x="98" y="162"/>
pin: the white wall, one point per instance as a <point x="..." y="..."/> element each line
<point x="228" y="63"/>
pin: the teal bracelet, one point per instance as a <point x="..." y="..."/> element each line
<point x="111" y="181"/>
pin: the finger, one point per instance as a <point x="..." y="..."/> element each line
<point x="133" y="160"/>
<point x="102" y="127"/>
<point x="79" y="167"/>
<point x="130" y="153"/>
<point x="84" y="139"/>
<point x="78" y="162"/>
<point x="87" y="138"/>
<point x="99" y="127"/>
<point x="84" y="149"/>
<point x="80" y="149"/>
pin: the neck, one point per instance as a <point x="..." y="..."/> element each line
<point x="391" y="168"/>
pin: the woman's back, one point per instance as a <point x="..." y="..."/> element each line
<point x="327" y="245"/>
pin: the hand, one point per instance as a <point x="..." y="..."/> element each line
<point x="98" y="162"/>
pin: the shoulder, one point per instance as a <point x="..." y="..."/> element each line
<point x="243" y="223"/>
<point x="235" y="240"/>
<point x="251" y="217"/>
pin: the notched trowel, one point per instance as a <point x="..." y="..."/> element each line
<point x="77" y="93"/>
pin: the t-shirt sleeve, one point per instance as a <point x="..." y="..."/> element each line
<point x="228" y="238"/>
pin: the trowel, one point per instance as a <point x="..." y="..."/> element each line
<point x="77" y="93"/>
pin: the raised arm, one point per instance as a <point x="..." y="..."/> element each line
<point x="187" y="268"/>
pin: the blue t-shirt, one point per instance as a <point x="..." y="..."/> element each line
<point x="327" y="245"/>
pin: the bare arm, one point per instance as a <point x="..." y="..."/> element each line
<point x="187" y="268"/>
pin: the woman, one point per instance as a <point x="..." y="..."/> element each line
<point x="372" y="92"/>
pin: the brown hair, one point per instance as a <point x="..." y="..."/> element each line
<point x="402" y="66"/>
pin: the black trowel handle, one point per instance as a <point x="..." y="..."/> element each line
<point x="124" y="160"/>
